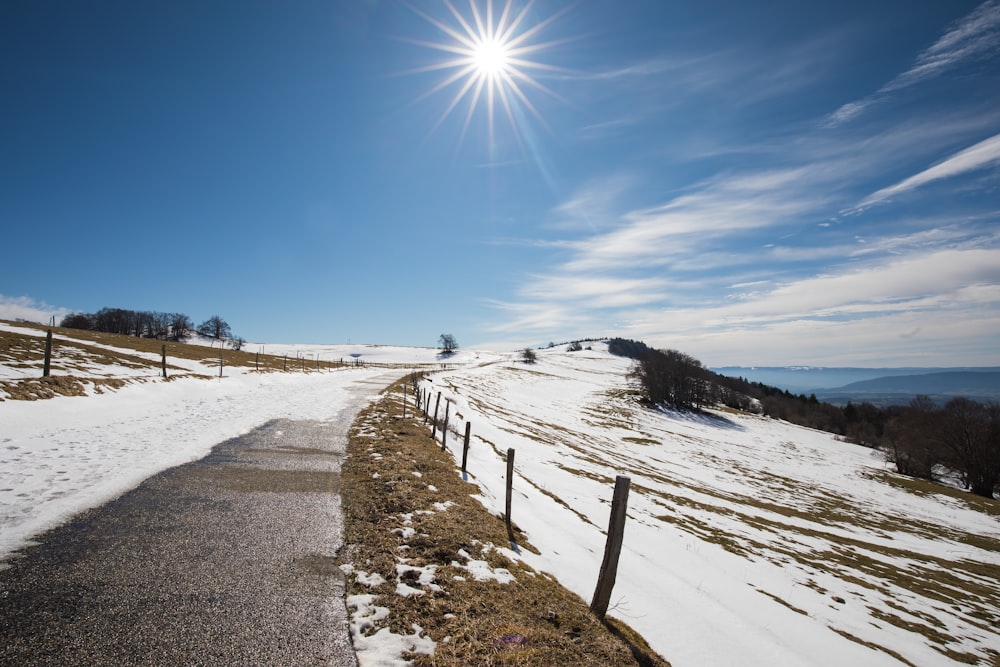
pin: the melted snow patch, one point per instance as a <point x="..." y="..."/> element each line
<point x="383" y="648"/>
<point x="481" y="570"/>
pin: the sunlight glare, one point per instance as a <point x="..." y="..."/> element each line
<point x="491" y="57"/>
<point x="488" y="58"/>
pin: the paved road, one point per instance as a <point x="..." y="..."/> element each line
<point x="225" y="561"/>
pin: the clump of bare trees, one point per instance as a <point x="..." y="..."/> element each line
<point x="923" y="439"/>
<point x="673" y="378"/>
<point x="138" y="323"/>
<point x="963" y="436"/>
<point x="174" y="327"/>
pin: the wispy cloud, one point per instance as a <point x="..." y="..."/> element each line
<point x="975" y="36"/>
<point x="694" y="273"/>
<point x="946" y="296"/>
<point x="658" y="235"/>
<point x="26" y="308"/>
<point x="981" y="155"/>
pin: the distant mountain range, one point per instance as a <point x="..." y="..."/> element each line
<point x="881" y="386"/>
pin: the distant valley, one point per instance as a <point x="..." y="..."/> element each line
<point x="880" y="386"/>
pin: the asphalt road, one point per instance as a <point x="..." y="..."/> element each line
<point x="229" y="560"/>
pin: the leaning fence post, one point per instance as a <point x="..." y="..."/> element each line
<point x="47" y="364"/>
<point x="465" y="446"/>
<point x="437" y="403"/>
<point x="612" y="549"/>
<point x="510" y="486"/>
<point x="444" y="429"/>
<point x="163" y="360"/>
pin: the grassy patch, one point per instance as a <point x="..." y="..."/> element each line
<point x="641" y="441"/>
<point x="783" y="602"/>
<point x="921" y="487"/>
<point x="85" y="362"/>
<point x="858" y="640"/>
<point x="407" y="511"/>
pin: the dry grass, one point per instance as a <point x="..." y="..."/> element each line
<point x="82" y="362"/>
<point x="393" y="484"/>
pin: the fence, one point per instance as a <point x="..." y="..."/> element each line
<point x="619" y="503"/>
<point x="257" y="360"/>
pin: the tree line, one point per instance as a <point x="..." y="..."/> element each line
<point x="174" y="327"/>
<point x="922" y="439"/>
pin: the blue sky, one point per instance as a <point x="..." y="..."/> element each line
<point x="764" y="183"/>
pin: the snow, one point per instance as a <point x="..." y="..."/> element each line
<point x="63" y="455"/>
<point x="749" y="541"/>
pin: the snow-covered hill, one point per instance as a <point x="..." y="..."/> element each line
<point x="749" y="541"/>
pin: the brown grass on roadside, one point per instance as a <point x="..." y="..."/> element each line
<point x="406" y="507"/>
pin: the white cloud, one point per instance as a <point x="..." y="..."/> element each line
<point x="592" y="206"/>
<point x="733" y="268"/>
<point x="974" y="36"/>
<point x="595" y="291"/>
<point x="26" y="308"/>
<point x="981" y="155"/>
<point x="658" y="235"/>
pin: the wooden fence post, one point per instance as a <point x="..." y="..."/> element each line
<point x="510" y="487"/>
<point x="437" y="404"/>
<point x="612" y="549"/>
<point x="47" y="364"/>
<point x="465" y="446"/>
<point x="163" y="360"/>
<point x="404" y="400"/>
<point x="444" y="431"/>
<point x="220" y="360"/>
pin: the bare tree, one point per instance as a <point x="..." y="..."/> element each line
<point x="528" y="356"/>
<point x="447" y="343"/>
<point x="215" y="327"/>
<point x="911" y="439"/>
<point x="180" y="327"/>
<point x="971" y="440"/>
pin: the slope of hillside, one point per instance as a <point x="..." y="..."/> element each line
<point x="749" y="541"/>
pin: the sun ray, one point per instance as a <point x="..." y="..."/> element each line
<point x="491" y="50"/>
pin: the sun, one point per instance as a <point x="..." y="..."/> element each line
<point x="490" y="61"/>
<point x="491" y="58"/>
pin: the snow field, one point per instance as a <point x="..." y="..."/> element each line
<point x="63" y="455"/>
<point x="749" y="541"/>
